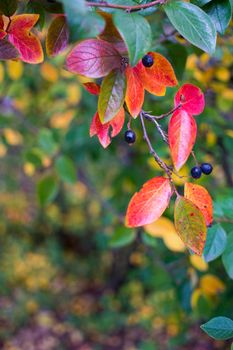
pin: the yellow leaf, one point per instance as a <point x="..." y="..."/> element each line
<point x="223" y="74"/>
<point x="160" y="228"/>
<point x="174" y="243"/>
<point x="62" y="120"/>
<point x="74" y="94"/>
<point x="164" y="228"/>
<point x="29" y="169"/>
<point x="191" y="62"/>
<point x="1" y="73"/>
<point x="13" y="137"/>
<point x="182" y="176"/>
<point x="49" y="72"/>
<point x="198" y="262"/>
<point x="211" y="285"/>
<point x="211" y="139"/>
<point x="15" y="69"/>
<point x="228" y="94"/>
<point x="195" y="297"/>
<point x="3" y="150"/>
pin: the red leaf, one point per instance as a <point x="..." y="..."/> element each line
<point x="57" y="37"/>
<point x="182" y="130"/>
<point x="92" y="88"/>
<point x="134" y="97"/>
<point x="149" y="84"/>
<point x="93" y="58"/>
<point x="149" y="203"/>
<point x="28" y="44"/>
<point x="107" y="131"/>
<point x="2" y="31"/>
<point x="191" y="98"/>
<point x="201" y="198"/>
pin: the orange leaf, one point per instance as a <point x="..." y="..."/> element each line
<point x="200" y="196"/>
<point x="92" y="88"/>
<point x="108" y="130"/>
<point x="134" y="97"/>
<point x="28" y="45"/>
<point x="182" y="130"/>
<point x="149" y="84"/>
<point x="149" y="203"/>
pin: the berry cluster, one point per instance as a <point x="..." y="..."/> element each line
<point x="205" y="168"/>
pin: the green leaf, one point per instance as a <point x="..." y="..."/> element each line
<point x="190" y="224"/>
<point x="215" y="243"/>
<point x="82" y="24"/>
<point x="37" y="8"/>
<point x="66" y="169"/>
<point x="220" y="328"/>
<point x="220" y="12"/>
<point x="193" y="24"/>
<point x="47" y="189"/>
<point x="149" y="240"/>
<point x="8" y="7"/>
<point x="136" y="33"/>
<point x="227" y="257"/>
<point x="122" y="236"/>
<point x="200" y="3"/>
<point x="112" y="95"/>
<point x="47" y="142"/>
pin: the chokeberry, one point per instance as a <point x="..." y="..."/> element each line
<point x="130" y="136"/>
<point x="196" y="172"/>
<point x="147" y="61"/>
<point x="206" y="168"/>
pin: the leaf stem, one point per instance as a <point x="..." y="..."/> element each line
<point x="125" y="7"/>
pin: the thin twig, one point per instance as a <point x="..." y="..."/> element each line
<point x="159" y="161"/>
<point x="125" y="7"/>
<point x="150" y="116"/>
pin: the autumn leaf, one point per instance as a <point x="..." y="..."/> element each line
<point x="92" y="88"/>
<point x="105" y="132"/>
<point x="134" y="96"/>
<point x="57" y="37"/>
<point x="191" y="99"/>
<point x="24" y="40"/>
<point x="190" y="224"/>
<point x="148" y="83"/>
<point x="182" y="130"/>
<point x="201" y="198"/>
<point x="112" y="95"/>
<point x="149" y="203"/>
<point x="111" y="34"/>
<point x="93" y="58"/>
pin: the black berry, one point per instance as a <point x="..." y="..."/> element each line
<point x="206" y="168"/>
<point x="147" y="61"/>
<point x="196" y="172"/>
<point x="130" y="136"/>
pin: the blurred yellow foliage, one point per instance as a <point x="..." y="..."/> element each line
<point x="29" y="169"/>
<point x="181" y="177"/>
<point x="13" y="137"/>
<point x="198" y="262"/>
<point x="165" y="229"/>
<point x="211" y="285"/>
<point x="62" y="120"/>
<point x="15" y="69"/>
<point x="1" y="73"/>
<point x="223" y="74"/>
<point x="49" y="72"/>
<point x="74" y="94"/>
<point x="3" y="150"/>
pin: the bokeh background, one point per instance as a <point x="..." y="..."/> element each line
<point x="72" y="276"/>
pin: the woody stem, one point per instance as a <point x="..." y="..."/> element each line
<point x="125" y="7"/>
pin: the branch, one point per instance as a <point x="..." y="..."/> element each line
<point x="125" y="7"/>
<point x="159" y="161"/>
